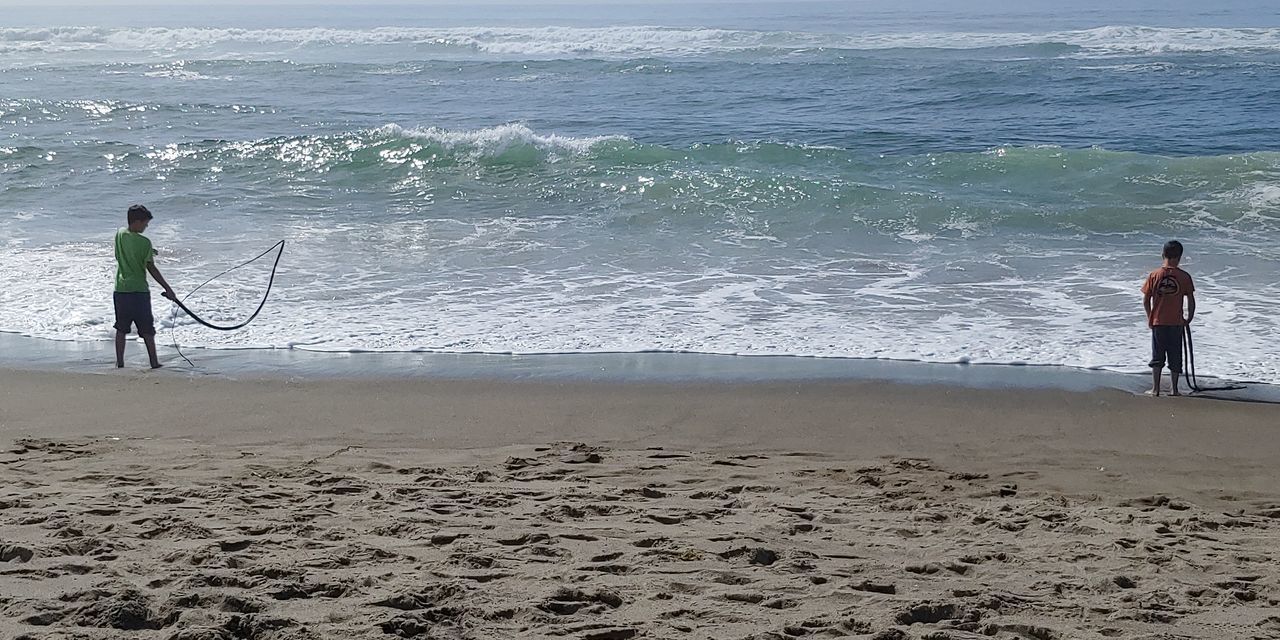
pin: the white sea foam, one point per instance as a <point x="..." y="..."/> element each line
<point x="178" y="71"/>
<point x="1265" y="196"/>
<point x="866" y="308"/>
<point x="630" y="41"/>
<point x="1141" y="67"/>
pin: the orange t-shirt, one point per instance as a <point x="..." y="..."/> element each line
<point x="1167" y="287"/>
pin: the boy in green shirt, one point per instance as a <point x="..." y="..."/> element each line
<point x="132" y="298"/>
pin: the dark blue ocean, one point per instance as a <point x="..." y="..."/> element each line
<point x="933" y="181"/>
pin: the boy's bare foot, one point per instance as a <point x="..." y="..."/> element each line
<point x="1151" y="392"/>
<point x="1176" y="393"/>
<point x="156" y="365"/>
<point x="119" y="365"/>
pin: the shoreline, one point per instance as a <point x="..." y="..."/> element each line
<point x="36" y="354"/>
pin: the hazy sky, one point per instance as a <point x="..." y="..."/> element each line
<point x="180" y="3"/>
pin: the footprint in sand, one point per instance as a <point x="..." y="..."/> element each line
<point x="756" y="555"/>
<point x="875" y="587"/>
<point x="933" y="612"/>
<point x="567" y="601"/>
<point x="423" y="598"/>
<point x="15" y="553"/>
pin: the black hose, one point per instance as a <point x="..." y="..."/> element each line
<point x="270" y="281"/>
<point x="1189" y="365"/>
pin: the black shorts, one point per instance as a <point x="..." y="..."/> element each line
<point x="1166" y="345"/>
<point x="134" y="309"/>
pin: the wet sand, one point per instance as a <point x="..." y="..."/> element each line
<point x="162" y="506"/>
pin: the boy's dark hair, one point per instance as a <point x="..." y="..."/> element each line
<point x="1172" y="250"/>
<point x="141" y="213"/>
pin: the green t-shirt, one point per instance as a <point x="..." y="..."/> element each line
<point x="133" y="252"/>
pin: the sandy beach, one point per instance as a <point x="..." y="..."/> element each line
<point x="157" y="506"/>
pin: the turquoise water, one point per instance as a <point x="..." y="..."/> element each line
<point x="887" y="180"/>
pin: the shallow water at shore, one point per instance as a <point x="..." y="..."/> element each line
<point x="624" y="368"/>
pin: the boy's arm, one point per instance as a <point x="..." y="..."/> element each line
<point x="1191" y="307"/>
<point x="155" y="273"/>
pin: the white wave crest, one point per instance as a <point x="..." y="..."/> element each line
<point x="625" y="41"/>
<point x="538" y="41"/>
<point x="494" y="141"/>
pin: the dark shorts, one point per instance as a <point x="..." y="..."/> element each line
<point x="1166" y="345"/>
<point x="134" y="309"/>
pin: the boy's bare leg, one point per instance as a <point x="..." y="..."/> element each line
<point x="1173" y="381"/>
<point x="1155" y="381"/>
<point x="120" y="338"/>
<point x="151" y="351"/>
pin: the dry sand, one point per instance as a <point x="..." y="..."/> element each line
<point x="156" y="506"/>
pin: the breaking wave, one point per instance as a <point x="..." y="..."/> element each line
<point x="626" y="42"/>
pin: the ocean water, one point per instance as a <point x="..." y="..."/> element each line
<point x="902" y="180"/>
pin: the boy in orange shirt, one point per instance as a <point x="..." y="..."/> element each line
<point x="1162" y="295"/>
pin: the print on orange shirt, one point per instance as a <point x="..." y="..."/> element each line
<point x="1168" y="287"/>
